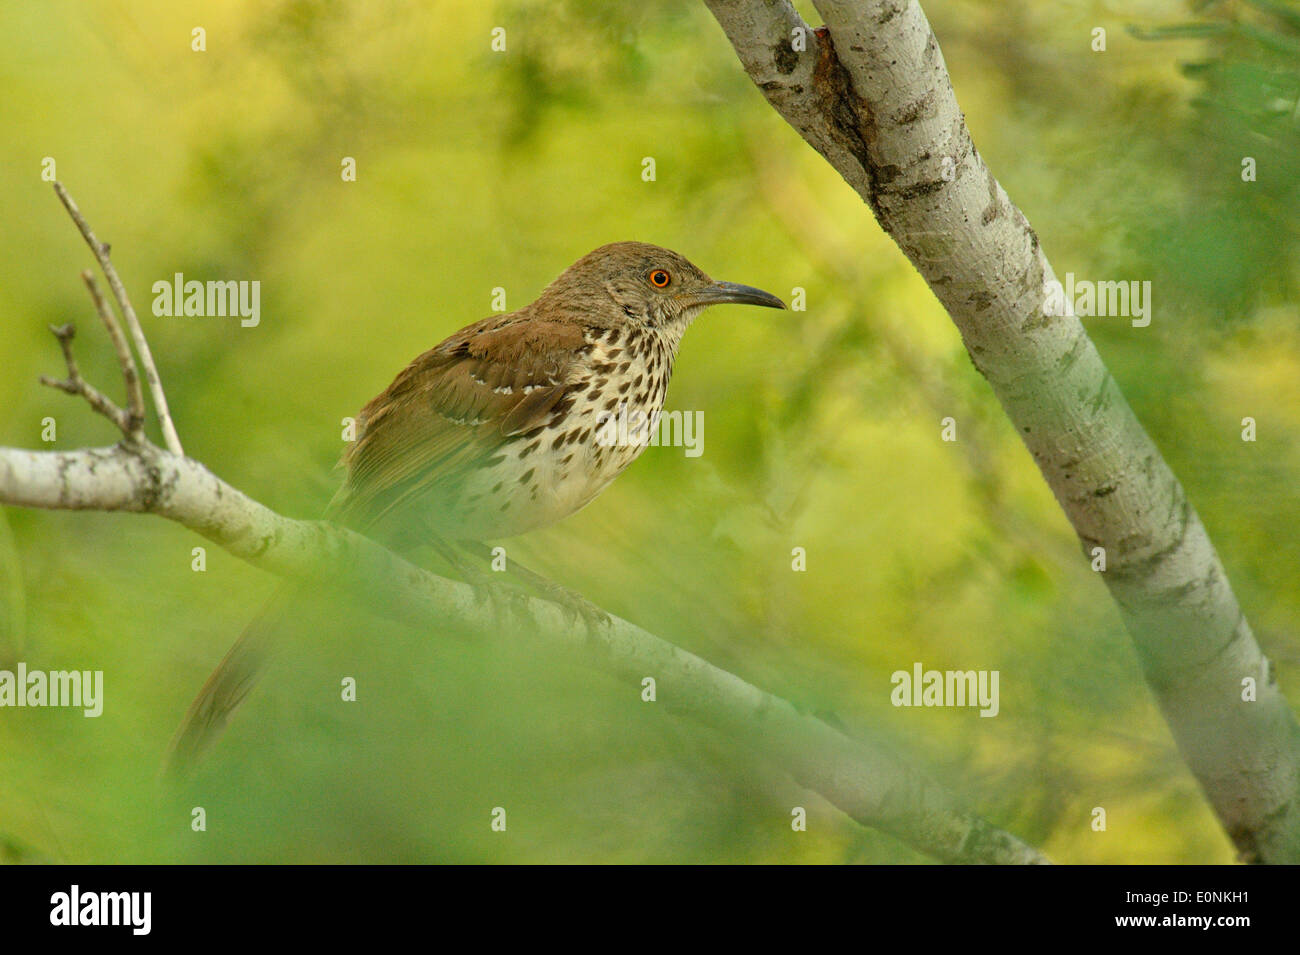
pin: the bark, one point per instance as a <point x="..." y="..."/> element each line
<point x="871" y="93"/>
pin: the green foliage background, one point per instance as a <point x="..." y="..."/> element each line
<point x="478" y="170"/>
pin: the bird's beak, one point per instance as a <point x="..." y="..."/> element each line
<point x="722" y="293"/>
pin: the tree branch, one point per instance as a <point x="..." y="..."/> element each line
<point x="74" y="384"/>
<point x="864" y="781"/>
<point x="134" y="398"/>
<point x="100" y="250"/>
<point x="870" y="92"/>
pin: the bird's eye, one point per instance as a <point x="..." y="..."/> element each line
<point x="660" y="279"/>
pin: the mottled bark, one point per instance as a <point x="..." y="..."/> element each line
<point x="870" y="92"/>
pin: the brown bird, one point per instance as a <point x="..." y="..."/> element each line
<point x="500" y="429"/>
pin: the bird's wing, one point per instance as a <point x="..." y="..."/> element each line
<point x="452" y="408"/>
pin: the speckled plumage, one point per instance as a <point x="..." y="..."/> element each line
<point x="494" y="431"/>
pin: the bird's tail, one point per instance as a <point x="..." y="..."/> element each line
<point x="232" y="680"/>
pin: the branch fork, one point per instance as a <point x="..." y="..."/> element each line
<point x="131" y="420"/>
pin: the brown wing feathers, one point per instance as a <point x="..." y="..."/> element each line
<point x="450" y="407"/>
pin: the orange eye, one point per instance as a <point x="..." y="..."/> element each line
<point x="660" y="279"/>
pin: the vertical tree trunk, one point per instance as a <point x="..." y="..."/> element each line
<point x="870" y="92"/>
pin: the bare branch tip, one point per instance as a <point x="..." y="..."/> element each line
<point x="134" y="393"/>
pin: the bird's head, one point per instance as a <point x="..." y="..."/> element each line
<point x="648" y="285"/>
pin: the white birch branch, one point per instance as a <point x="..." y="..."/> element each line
<point x="871" y="93"/>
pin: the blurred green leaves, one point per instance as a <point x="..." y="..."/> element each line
<point x="479" y="170"/>
<point x="13" y="598"/>
<point x="1235" y="242"/>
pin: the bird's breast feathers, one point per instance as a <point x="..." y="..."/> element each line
<point x="543" y="475"/>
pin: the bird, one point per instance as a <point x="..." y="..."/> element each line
<point x="499" y="429"/>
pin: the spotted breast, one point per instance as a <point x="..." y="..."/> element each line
<point x="616" y="390"/>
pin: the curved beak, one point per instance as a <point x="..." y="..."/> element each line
<point x="723" y="293"/>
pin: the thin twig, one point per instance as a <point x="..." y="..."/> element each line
<point x="74" y="384"/>
<point x="100" y="251"/>
<point x="134" y="396"/>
